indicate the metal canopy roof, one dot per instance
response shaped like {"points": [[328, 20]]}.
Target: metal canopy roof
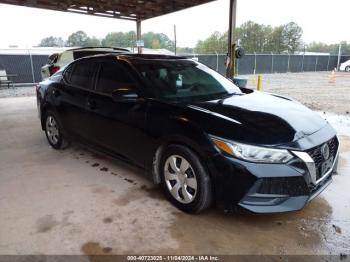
{"points": [[122, 9]]}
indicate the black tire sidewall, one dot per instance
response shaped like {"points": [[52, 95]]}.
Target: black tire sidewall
{"points": [[60, 141], [347, 69], [203, 196]]}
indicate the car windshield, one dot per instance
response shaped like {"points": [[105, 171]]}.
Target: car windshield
{"points": [[184, 80]]}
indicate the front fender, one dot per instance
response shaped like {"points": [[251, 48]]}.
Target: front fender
{"points": [[177, 130]]}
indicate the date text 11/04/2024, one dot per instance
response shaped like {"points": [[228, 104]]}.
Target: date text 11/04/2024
{"points": [[173, 258]]}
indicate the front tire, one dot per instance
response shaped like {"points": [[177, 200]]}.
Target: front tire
{"points": [[53, 131], [185, 179], [347, 69]]}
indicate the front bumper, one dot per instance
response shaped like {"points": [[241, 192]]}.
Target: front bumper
{"points": [[266, 188], [275, 203]]}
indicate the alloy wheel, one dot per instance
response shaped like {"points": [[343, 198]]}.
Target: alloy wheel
{"points": [[180, 179], [52, 130]]}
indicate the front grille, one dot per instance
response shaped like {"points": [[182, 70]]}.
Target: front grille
{"points": [[292, 186], [318, 158], [314, 188]]}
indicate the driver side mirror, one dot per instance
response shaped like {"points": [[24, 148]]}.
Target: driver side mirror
{"points": [[125, 94]]}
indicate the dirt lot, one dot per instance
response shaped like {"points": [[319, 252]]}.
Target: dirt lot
{"points": [[79, 202], [320, 91]]}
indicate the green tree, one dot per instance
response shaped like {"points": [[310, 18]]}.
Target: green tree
{"points": [[254, 37], [292, 34], [319, 47], [155, 44], [78, 38], [158, 41], [185, 50], [93, 42], [328, 48], [276, 42], [119, 39], [217, 42], [52, 41]]}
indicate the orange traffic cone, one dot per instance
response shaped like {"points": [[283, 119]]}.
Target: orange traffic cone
{"points": [[332, 77]]}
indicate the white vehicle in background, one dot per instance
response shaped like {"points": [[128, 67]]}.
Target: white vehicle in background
{"points": [[345, 66], [59, 60]]}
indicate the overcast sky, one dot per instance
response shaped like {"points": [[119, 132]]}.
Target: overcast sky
{"points": [[321, 20]]}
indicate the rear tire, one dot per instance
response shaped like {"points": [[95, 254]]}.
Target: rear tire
{"points": [[53, 131], [185, 180]]}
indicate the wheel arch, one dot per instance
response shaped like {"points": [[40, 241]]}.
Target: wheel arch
{"points": [[48, 107], [44, 108], [175, 140]]}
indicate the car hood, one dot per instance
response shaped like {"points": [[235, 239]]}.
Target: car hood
{"points": [[258, 118]]}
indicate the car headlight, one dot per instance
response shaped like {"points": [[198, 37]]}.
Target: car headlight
{"points": [[252, 153]]}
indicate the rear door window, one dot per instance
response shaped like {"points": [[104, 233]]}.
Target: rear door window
{"points": [[82, 74], [113, 75]]}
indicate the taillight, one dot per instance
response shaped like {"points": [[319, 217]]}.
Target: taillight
{"points": [[54, 69]]}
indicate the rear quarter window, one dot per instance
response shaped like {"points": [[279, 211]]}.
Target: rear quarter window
{"points": [[81, 74]]}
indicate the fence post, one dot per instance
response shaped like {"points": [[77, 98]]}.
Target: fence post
{"points": [[329, 58], [272, 62], [339, 56], [254, 63], [316, 63], [288, 67], [31, 65], [217, 61], [302, 63]]}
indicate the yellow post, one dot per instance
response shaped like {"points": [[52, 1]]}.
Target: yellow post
{"points": [[259, 83]]}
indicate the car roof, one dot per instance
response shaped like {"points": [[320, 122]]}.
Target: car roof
{"points": [[115, 49], [151, 56], [135, 57], [131, 56]]}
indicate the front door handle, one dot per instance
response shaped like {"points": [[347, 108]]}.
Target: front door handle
{"points": [[91, 104]]}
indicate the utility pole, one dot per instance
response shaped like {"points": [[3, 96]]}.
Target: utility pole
{"points": [[230, 64], [175, 38], [133, 43], [339, 56], [138, 35]]}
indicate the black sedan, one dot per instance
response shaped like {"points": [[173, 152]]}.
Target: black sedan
{"points": [[193, 131]]}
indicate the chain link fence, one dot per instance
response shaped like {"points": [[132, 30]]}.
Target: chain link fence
{"points": [[27, 67], [273, 63]]}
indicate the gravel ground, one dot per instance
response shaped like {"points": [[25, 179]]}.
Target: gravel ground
{"points": [[17, 91], [319, 91]]}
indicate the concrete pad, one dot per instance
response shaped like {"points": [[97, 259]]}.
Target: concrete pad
{"points": [[78, 202]]}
